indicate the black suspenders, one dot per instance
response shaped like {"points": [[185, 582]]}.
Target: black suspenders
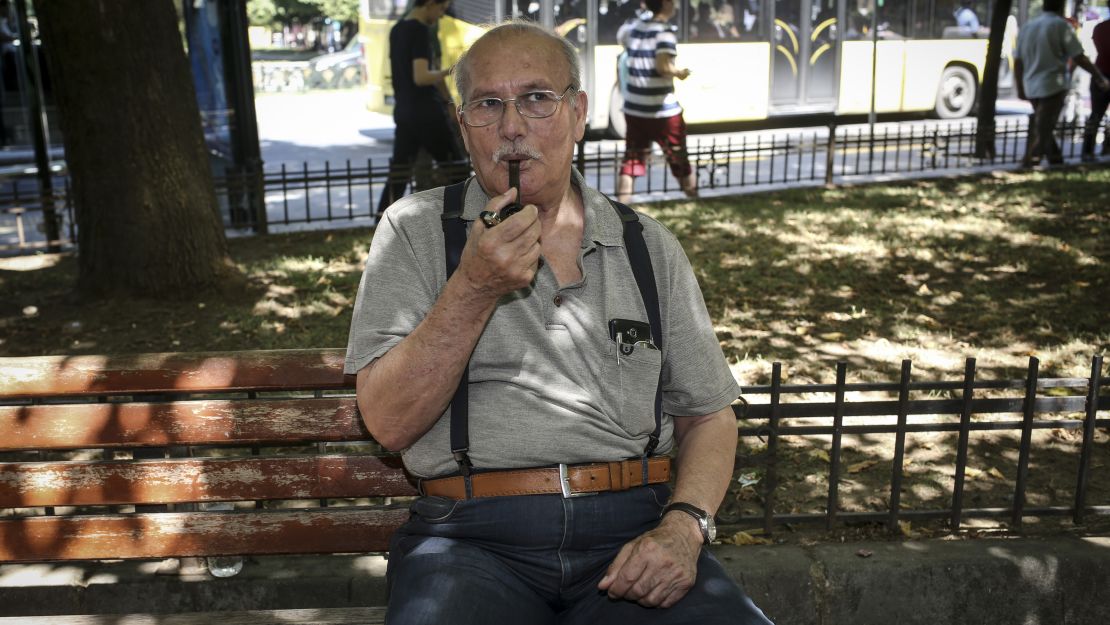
{"points": [[640, 259], [454, 239]]}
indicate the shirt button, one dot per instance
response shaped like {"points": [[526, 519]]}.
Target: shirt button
{"points": [[558, 300]]}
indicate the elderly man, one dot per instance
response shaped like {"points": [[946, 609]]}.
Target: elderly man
{"points": [[523, 365]]}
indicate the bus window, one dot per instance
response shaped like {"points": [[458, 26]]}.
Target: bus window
{"points": [[858, 18], [724, 20], [749, 19], [962, 19], [700, 23], [526, 9], [612, 15], [894, 19], [570, 21]]}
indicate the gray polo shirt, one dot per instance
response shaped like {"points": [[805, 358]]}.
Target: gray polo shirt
{"points": [[546, 384], [1045, 45]]}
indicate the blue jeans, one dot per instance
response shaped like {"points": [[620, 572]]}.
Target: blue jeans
{"points": [[537, 560]]}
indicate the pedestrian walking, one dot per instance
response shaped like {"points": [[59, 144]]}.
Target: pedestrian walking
{"points": [[651, 110], [1100, 95], [1045, 45], [421, 102]]}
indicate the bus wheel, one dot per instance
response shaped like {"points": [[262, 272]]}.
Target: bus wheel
{"points": [[956, 95], [617, 126]]}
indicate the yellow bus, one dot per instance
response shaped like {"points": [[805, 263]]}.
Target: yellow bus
{"points": [[752, 59]]}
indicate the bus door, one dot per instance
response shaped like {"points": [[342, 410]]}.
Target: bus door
{"points": [[805, 39]]}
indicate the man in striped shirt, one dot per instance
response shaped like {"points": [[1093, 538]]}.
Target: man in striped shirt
{"points": [[651, 111]]}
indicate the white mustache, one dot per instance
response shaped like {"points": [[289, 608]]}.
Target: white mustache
{"points": [[515, 149]]}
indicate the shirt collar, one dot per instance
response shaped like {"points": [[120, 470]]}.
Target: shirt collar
{"points": [[603, 225]]}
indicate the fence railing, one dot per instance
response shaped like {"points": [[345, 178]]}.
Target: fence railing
{"points": [[291, 198], [822, 415]]}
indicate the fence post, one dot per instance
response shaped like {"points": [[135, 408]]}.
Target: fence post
{"points": [[256, 195], [1088, 439], [899, 446], [35, 104], [834, 459], [830, 154], [1028, 410], [961, 448], [936, 147], [770, 478]]}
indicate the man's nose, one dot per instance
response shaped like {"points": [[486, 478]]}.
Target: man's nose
{"points": [[513, 124]]}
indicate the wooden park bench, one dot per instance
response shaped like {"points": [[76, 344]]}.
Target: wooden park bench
{"points": [[122, 458], [107, 457]]}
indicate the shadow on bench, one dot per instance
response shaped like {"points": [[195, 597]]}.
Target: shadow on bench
{"points": [[124, 457]]}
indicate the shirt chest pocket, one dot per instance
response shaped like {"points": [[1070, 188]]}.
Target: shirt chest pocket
{"points": [[632, 382]]}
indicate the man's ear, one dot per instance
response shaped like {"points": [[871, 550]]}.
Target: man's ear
{"points": [[581, 110], [463, 129]]}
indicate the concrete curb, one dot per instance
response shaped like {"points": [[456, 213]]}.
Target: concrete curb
{"points": [[1026, 580]]}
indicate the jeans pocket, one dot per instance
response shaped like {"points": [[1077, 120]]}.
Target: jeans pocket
{"points": [[660, 494], [433, 509]]}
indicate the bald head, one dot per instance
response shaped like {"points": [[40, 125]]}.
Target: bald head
{"points": [[529, 33]]}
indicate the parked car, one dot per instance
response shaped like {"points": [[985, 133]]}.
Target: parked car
{"points": [[339, 70]]}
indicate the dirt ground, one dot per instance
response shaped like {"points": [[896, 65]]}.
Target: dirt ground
{"points": [[928, 481]]}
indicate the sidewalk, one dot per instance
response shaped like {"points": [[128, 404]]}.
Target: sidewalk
{"points": [[982, 582]]}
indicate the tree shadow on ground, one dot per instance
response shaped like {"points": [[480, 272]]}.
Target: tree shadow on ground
{"points": [[932, 270]]}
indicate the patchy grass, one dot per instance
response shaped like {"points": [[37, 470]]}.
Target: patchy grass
{"points": [[301, 289], [998, 267]]}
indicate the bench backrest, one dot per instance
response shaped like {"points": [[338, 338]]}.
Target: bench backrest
{"points": [[122, 457]]}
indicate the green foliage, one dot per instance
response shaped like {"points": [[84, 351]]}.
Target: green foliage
{"points": [[269, 12], [261, 12], [341, 10]]}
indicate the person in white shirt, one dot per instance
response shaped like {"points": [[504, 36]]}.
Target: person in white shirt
{"points": [[1045, 45]]}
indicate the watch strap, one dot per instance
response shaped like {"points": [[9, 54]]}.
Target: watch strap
{"points": [[700, 515]]}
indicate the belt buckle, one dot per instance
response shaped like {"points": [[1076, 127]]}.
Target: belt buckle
{"points": [[564, 484]]}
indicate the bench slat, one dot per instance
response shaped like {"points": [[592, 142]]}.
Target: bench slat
{"points": [[162, 535], [49, 376], [322, 616], [198, 480], [199, 422]]}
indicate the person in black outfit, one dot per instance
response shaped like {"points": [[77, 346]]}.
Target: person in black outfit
{"points": [[420, 107]]}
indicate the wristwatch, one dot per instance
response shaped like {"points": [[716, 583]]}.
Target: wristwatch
{"points": [[705, 520]]}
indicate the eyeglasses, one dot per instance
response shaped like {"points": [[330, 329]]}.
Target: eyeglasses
{"points": [[534, 104]]}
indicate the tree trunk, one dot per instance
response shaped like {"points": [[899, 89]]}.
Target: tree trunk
{"points": [[147, 218], [984, 135]]}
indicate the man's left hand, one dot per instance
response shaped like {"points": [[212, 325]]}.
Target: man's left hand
{"points": [[657, 568]]}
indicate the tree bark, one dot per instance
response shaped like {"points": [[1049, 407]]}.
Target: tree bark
{"points": [[147, 218], [984, 134]]}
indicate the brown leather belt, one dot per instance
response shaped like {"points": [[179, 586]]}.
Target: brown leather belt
{"points": [[570, 481]]}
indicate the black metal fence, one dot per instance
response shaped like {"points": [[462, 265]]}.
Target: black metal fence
{"points": [[896, 410], [287, 198]]}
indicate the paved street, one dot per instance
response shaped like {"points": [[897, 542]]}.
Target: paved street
{"points": [[334, 126], [314, 130]]}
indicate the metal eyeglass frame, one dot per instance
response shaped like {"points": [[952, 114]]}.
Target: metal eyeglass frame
{"points": [[516, 103]]}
